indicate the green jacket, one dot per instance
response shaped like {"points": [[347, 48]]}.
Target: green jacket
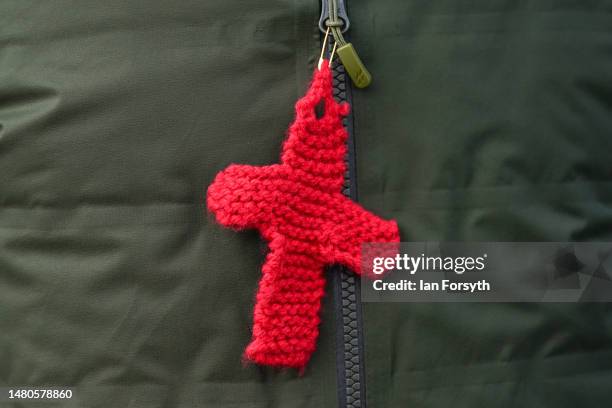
{"points": [[485, 120]]}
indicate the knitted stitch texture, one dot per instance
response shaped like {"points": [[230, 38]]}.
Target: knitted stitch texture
{"points": [[299, 209]]}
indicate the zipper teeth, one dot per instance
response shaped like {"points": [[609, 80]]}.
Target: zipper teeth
{"points": [[348, 306]]}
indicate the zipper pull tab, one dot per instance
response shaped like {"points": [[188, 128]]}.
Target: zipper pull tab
{"points": [[354, 67], [335, 18]]}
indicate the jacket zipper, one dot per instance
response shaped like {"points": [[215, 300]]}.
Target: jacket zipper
{"points": [[346, 286], [334, 19]]}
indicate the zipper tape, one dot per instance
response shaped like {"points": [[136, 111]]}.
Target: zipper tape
{"points": [[349, 325]]}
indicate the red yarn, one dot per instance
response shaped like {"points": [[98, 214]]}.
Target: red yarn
{"points": [[299, 208]]}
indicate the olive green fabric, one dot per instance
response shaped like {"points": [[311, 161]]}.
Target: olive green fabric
{"points": [[115, 116], [486, 120]]}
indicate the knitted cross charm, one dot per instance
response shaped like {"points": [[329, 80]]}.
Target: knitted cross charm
{"points": [[299, 209]]}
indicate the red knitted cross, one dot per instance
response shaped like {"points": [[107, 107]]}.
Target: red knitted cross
{"points": [[299, 208]]}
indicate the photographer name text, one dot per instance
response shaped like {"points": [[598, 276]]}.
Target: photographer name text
{"points": [[425, 286]]}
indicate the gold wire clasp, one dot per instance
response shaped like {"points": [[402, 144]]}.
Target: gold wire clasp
{"points": [[331, 57]]}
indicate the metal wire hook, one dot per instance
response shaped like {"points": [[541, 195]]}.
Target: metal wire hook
{"points": [[331, 56], [323, 48]]}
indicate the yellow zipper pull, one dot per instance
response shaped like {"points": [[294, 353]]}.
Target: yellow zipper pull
{"points": [[354, 67]]}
